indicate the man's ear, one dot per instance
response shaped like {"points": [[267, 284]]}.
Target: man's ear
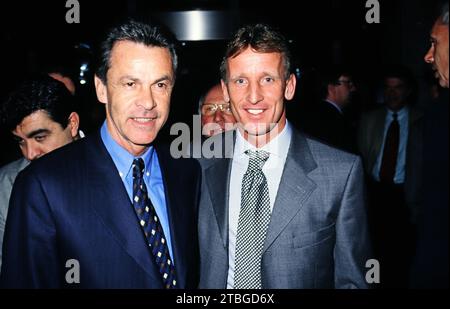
{"points": [[289, 91], [226, 96], [100, 90], [74, 124]]}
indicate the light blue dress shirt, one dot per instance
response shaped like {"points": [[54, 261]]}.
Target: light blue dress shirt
{"points": [[123, 161], [403, 120]]}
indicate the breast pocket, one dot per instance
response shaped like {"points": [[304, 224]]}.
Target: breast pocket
{"points": [[303, 240]]}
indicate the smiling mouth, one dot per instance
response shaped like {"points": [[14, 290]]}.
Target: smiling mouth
{"points": [[255, 111], [143, 119]]}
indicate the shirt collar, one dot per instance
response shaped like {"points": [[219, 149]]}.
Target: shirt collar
{"points": [[122, 158], [400, 113], [335, 105], [279, 146]]}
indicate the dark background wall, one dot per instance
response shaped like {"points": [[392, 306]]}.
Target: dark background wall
{"points": [[321, 33]]}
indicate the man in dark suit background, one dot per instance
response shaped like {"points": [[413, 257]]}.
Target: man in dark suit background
{"points": [[326, 119], [285, 211], [430, 264], [116, 202], [388, 141], [42, 116]]}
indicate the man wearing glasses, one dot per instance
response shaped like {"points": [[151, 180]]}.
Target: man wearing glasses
{"points": [[326, 119], [215, 112]]}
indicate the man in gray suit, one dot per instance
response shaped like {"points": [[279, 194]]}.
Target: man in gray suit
{"points": [[280, 210]]}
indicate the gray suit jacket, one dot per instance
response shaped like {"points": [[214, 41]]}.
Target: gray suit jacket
{"points": [[8, 174], [317, 236]]}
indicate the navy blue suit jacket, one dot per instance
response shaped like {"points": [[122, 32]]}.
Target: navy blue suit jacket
{"points": [[72, 204]]}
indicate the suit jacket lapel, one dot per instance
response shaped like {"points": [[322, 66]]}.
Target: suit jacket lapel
{"points": [[294, 189], [178, 214], [218, 181], [414, 115], [111, 203]]}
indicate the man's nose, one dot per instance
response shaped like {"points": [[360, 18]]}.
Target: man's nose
{"points": [[146, 100], [255, 94], [218, 116], [429, 55], [32, 152]]}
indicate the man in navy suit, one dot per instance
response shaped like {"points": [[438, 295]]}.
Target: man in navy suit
{"points": [[114, 210]]}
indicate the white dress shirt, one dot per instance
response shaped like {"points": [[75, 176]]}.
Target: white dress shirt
{"points": [[403, 120], [272, 169]]}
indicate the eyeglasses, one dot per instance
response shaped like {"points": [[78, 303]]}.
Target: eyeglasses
{"points": [[348, 82], [210, 109]]}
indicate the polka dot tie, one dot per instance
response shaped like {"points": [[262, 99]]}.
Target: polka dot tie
{"points": [[149, 221], [254, 217]]}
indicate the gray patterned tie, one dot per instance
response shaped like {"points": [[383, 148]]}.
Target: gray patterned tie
{"points": [[254, 217]]}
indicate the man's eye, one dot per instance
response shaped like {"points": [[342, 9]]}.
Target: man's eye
{"points": [[240, 81], [268, 79], [40, 138], [210, 108], [162, 86], [130, 84]]}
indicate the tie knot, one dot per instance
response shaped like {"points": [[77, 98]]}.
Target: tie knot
{"points": [[138, 168], [257, 159], [394, 116]]}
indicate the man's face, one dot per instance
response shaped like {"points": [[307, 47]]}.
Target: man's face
{"points": [[38, 134], [395, 93], [257, 88], [216, 113], [437, 55], [137, 94], [343, 90]]}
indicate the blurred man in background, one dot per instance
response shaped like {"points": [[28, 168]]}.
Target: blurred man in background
{"points": [[41, 115], [215, 112]]}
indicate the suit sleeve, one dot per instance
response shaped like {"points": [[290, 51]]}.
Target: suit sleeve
{"points": [[29, 249], [352, 248], [5, 192]]}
